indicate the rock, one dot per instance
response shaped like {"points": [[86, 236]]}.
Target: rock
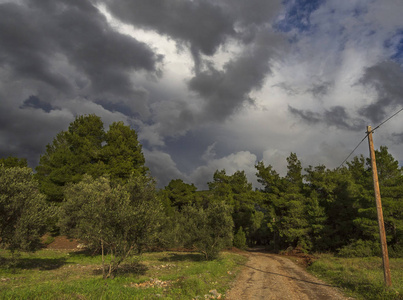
{"points": [[215, 294], [153, 282]]}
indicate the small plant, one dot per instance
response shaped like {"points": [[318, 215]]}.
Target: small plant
{"points": [[48, 240], [240, 239]]}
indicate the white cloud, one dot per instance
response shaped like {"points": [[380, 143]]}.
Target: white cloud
{"points": [[162, 167], [240, 161], [209, 154]]}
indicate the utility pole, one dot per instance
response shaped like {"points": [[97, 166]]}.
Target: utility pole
{"points": [[385, 257]]}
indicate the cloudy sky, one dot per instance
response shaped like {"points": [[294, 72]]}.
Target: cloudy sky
{"points": [[206, 84]]}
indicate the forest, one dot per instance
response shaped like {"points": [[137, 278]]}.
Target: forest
{"points": [[93, 185]]}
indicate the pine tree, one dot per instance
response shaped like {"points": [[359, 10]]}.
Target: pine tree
{"points": [[85, 148]]}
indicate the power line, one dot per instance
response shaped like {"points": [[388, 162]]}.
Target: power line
{"points": [[386, 120], [367, 136], [352, 152]]}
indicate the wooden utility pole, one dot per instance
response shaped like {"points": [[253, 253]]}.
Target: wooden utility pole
{"points": [[385, 257]]}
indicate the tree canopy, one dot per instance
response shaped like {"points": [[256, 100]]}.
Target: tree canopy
{"points": [[85, 148], [13, 161]]}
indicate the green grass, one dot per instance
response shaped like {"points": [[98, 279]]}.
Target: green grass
{"points": [[361, 278], [51, 274]]}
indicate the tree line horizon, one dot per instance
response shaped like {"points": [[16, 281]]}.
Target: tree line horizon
{"points": [[311, 209]]}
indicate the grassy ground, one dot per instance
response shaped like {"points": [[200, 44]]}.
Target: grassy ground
{"points": [[51, 274], [361, 278]]}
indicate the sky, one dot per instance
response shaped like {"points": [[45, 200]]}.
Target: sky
{"points": [[207, 85]]}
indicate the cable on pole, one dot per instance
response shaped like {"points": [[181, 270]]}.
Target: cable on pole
{"points": [[386, 120], [367, 136], [352, 151]]}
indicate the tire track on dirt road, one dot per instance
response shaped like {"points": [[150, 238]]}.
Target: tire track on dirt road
{"points": [[269, 276]]}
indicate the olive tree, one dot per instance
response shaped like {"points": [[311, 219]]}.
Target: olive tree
{"points": [[208, 230], [121, 220], [23, 210]]}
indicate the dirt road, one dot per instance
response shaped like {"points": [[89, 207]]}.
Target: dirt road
{"points": [[268, 276]]}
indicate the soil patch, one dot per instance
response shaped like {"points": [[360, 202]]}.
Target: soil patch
{"points": [[61, 243]]}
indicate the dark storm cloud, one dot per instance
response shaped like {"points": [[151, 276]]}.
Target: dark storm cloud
{"points": [[205, 25], [252, 12], [397, 138], [387, 79], [41, 36], [56, 58], [202, 23], [225, 91], [320, 89], [24, 49], [25, 130], [288, 88], [307, 116], [336, 116], [317, 89], [35, 102], [250, 15]]}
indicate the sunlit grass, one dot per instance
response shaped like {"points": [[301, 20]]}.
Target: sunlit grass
{"points": [[361, 278], [50, 274]]}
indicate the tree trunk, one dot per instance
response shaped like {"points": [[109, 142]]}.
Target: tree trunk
{"points": [[103, 259]]}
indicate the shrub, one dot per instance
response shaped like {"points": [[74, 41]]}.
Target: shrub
{"points": [[240, 239], [360, 248], [396, 251]]}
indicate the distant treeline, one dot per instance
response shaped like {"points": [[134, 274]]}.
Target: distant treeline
{"points": [[88, 174], [315, 209]]}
